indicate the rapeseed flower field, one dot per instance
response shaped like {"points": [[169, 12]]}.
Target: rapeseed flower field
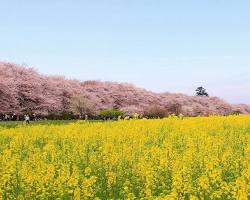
{"points": [[190, 158]]}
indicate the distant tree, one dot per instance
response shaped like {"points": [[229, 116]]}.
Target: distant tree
{"points": [[155, 111], [82, 106], [173, 108], [201, 91]]}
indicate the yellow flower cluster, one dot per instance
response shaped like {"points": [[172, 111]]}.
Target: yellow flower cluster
{"points": [[173, 158]]}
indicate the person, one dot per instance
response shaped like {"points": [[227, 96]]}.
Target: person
{"points": [[34, 117], [27, 119], [6, 117], [13, 117]]}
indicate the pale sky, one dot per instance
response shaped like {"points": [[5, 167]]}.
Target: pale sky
{"points": [[172, 46]]}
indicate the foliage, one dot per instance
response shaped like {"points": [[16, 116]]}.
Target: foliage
{"points": [[61, 116], [190, 158], [67, 115], [111, 114], [201, 91]]}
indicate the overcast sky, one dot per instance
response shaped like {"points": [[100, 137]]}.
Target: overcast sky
{"points": [[163, 45]]}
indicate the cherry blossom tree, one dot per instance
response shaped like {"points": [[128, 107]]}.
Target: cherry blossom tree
{"points": [[82, 105], [24, 90]]}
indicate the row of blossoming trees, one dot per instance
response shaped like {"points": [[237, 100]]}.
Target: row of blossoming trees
{"points": [[24, 91]]}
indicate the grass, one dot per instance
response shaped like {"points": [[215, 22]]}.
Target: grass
{"points": [[13, 124]]}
